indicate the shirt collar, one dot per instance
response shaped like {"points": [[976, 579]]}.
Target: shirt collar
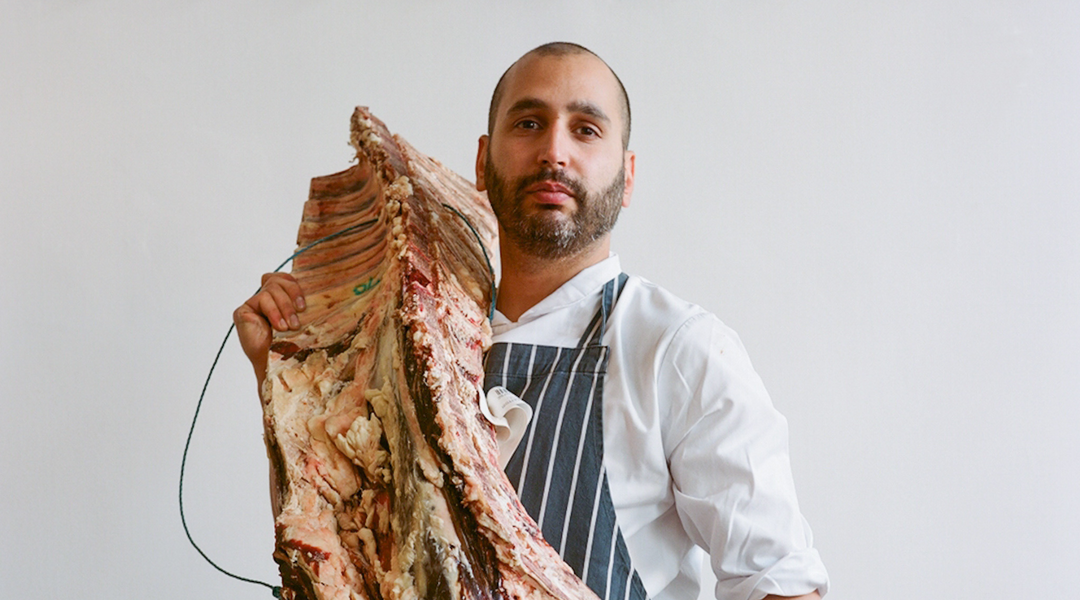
{"points": [[583, 285]]}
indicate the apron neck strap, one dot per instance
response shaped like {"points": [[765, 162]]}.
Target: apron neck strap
{"points": [[594, 333]]}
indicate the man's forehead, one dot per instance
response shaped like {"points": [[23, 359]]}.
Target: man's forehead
{"points": [[575, 80]]}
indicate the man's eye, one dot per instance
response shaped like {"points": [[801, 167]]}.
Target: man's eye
{"points": [[527, 124], [588, 131]]}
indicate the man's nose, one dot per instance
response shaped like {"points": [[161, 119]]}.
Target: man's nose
{"points": [[554, 151]]}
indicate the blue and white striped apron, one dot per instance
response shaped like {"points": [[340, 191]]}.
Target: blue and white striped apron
{"points": [[558, 469]]}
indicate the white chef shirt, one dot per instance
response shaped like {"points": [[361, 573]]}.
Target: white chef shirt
{"points": [[696, 455]]}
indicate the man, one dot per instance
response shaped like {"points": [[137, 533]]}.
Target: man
{"points": [[652, 437]]}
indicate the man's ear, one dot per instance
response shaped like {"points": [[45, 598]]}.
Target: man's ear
{"points": [[628, 183], [481, 162]]}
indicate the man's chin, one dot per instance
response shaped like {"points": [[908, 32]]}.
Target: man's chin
{"points": [[548, 219], [545, 238], [553, 212]]}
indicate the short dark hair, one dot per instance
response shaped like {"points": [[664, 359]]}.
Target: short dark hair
{"points": [[561, 49]]}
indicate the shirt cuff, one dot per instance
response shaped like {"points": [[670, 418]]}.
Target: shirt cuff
{"points": [[799, 572]]}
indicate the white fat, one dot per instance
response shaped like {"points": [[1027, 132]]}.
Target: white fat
{"points": [[436, 379], [370, 138], [404, 587], [367, 545], [485, 334], [430, 470], [345, 520], [346, 448], [474, 290], [401, 188], [380, 399], [367, 506], [450, 568], [361, 443], [398, 579], [396, 358], [440, 521], [327, 385]]}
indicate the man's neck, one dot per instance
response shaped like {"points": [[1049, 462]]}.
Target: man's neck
{"points": [[527, 279]]}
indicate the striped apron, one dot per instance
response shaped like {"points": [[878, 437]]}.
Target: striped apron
{"points": [[558, 468]]}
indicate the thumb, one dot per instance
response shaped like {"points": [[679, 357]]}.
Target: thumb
{"points": [[254, 333]]}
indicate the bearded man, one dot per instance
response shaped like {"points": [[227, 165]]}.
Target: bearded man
{"points": [[653, 441]]}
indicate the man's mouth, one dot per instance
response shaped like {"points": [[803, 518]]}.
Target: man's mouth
{"points": [[549, 192]]}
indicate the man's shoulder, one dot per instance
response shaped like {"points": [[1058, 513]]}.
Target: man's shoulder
{"points": [[658, 317], [657, 306]]}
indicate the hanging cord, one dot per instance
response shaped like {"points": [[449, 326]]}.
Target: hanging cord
{"points": [[276, 589], [491, 271]]}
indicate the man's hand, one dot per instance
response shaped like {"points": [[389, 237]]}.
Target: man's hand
{"points": [[274, 306]]}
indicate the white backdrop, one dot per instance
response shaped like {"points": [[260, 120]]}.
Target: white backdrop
{"points": [[883, 200]]}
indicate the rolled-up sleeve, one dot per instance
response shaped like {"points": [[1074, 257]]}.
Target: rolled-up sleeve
{"points": [[727, 449]]}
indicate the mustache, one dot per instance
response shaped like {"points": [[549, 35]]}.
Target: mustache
{"points": [[557, 176]]}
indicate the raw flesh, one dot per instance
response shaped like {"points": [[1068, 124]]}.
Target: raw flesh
{"points": [[386, 481]]}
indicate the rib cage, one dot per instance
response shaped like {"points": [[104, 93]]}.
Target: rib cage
{"points": [[387, 482]]}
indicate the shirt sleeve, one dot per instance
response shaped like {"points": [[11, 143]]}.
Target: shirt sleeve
{"points": [[727, 448]]}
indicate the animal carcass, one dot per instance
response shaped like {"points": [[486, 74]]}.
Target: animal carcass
{"points": [[386, 480]]}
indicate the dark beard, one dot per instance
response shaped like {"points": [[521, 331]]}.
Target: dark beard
{"points": [[542, 234]]}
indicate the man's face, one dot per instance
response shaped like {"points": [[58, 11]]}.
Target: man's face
{"points": [[554, 167]]}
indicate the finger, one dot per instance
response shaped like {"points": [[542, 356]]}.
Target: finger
{"points": [[264, 304], [284, 304], [272, 276], [289, 285], [296, 294]]}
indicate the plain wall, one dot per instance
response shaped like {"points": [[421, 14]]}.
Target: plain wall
{"points": [[883, 199]]}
